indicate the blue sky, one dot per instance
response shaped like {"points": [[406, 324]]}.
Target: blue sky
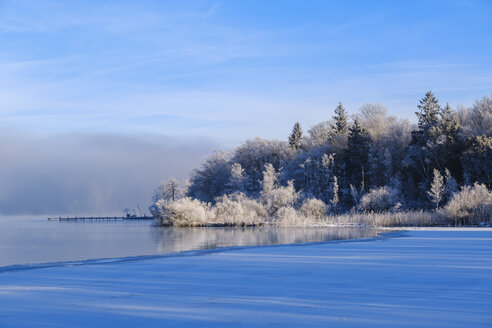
{"points": [[229, 70]]}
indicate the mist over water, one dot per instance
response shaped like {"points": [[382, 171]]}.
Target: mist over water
{"points": [[28, 241], [103, 173]]}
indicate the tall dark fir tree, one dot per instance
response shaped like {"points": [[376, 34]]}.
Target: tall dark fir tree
{"points": [[434, 145], [296, 136], [428, 116], [356, 156], [341, 121]]}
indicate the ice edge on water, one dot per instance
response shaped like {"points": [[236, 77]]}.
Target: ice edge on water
{"points": [[198, 252]]}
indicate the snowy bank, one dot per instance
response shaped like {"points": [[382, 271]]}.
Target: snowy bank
{"points": [[405, 279]]}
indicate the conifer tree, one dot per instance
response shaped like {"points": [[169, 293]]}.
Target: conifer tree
{"points": [[449, 125], [341, 120], [296, 136], [422, 154], [428, 114], [357, 154]]}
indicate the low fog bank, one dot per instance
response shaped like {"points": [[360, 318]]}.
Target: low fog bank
{"points": [[103, 173]]}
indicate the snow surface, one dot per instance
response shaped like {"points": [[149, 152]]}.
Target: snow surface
{"points": [[404, 279]]}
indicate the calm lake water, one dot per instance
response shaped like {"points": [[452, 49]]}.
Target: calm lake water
{"points": [[29, 240]]}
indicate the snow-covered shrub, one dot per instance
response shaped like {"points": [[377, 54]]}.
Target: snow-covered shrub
{"points": [[168, 191], [279, 197], [238, 209], [379, 200], [287, 216], [274, 196], [387, 219], [313, 208], [473, 204], [185, 212]]}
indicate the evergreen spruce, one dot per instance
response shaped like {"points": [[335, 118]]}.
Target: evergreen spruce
{"points": [[423, 153], [296, 136], [341, 120], [449, 126], [428, 114], [357, 155]]}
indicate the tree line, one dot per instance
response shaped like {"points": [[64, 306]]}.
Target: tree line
{"points": [[370, 161]]}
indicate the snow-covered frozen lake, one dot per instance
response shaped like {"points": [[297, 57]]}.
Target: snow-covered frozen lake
{"points": [[436, 278], [37, 240]]}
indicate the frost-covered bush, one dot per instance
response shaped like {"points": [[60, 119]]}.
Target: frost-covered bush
{"points": [[274, 196], [287, 216], [313, 208], [238, 209], [185, 212], [379, 200], [473, 204], [279, 197], [388, 219], [168, 191]]}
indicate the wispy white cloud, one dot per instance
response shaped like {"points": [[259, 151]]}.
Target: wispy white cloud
{"points": [[189, 69]]}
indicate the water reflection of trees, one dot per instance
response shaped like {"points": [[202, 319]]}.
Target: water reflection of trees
{"points": [[170, 240]]}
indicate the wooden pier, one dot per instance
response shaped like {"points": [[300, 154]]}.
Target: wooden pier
{"points": [[106, 218]]}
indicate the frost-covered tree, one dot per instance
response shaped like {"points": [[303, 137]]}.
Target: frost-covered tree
{"points": [[482, 112], [450, 185], [374, 119], [339, 131], [389, 139], [423, 153], [477, 160], [273, 196], [270, 177], [317, 176], [320, 135], [341, 120], [236, 183], [255, 153], [428, 115], [437, 188], [167, 192], [477, 120], [449, 125], [296, 136], [335, 199], [378, 155], [211, 179]]}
